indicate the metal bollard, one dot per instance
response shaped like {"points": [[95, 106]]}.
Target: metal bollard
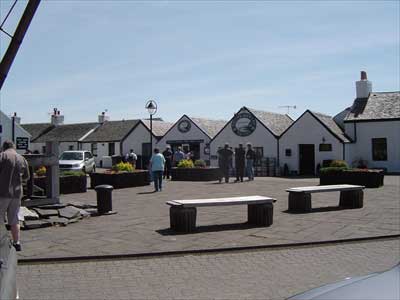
{"points": [[104, 198]]}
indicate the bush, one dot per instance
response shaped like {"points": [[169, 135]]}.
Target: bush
{"points": [[123, 167], [339, 164], [72, 173], [331, 170], [200, 163], [41, 171], [185, 163]]}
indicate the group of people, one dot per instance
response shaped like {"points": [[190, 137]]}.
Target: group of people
{"points": [[244, 160]]}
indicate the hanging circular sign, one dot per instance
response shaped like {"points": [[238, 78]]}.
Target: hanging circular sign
{"points": [[244, 124], [184, 126]]}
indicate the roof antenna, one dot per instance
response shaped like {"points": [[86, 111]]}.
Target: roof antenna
{"points": [[288, 107]]}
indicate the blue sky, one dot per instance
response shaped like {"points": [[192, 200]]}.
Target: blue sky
{"points": [[201, 58]]}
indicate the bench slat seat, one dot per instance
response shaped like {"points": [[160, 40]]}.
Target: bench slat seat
{"points": [[222, 201], [183, 212], [326, 188], [351, 196]]}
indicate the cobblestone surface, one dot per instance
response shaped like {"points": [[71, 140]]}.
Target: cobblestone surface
{"points": [[266, 274], [142, 222]]}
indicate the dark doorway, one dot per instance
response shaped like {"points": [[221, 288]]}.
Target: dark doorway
{"points": [[306, 159], [146, 155]]}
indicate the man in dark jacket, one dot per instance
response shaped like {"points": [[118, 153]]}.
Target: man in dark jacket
{"points": [[13, 170], [239, 162], [250, 158], [225, 157], [168, 162]]}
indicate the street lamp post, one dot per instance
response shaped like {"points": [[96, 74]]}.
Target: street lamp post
{"points": [[151, 107]]}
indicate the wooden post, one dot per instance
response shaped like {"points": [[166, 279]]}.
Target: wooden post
{"points": [[260, 214], [183, 219], [299, 202], [352, 199]]}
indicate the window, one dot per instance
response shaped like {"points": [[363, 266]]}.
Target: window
{"points": [[288, 152], [93, 148], [44, 149], [379, 149], [259, 155], [325, 147], [111, 149], [71, 147]]}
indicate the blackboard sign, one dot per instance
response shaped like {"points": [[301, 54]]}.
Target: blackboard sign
{"points": [[22, 143]]}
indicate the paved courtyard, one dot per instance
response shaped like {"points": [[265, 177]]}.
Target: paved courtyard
{"points": [[142, 222], [266, 274]]}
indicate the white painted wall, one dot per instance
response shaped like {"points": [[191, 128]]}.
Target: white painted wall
{"points": [[362, 148], [6, 123], [193, 134], [135, 140], [307, 130], [261, 137]]}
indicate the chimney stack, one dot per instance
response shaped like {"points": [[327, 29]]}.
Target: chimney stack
{"points": [[16, 119], [57, 118], [103, 117], [363, 86]]}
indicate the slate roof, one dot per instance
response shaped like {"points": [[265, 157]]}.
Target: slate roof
{"points": [[275, 122], [37, 129], [112, 131], [210, 127], [159, 127], [67, 132], [382, 105], [332, 126]]}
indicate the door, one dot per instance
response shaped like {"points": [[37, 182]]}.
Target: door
{"points": [[146, 155], [306, 159]]}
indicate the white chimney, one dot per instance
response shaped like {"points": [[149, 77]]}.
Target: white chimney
{"points": [[57, 118], [103, 117], [16, 119], [364, 86]]}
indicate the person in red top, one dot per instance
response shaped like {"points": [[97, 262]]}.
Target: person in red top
{"points": [[13, 170]]}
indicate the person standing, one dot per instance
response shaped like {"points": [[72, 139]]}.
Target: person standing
{"points": [[240, 154], [250, 158], [178, 156], [131, 158], [168, 162], [225, 155], [13, 171], [157, 163]]}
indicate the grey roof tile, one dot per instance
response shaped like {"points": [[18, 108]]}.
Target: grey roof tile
{"points": [[67, 132], [275, 122], [159, 127], [209, 126], [332, 126], [112, 131], [37, 129], [382, 105]]}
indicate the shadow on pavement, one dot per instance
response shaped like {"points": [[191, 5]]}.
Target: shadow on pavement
{"points": [[145, 193], [208, 228], [316, 210]]}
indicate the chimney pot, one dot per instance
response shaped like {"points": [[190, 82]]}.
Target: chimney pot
{"points": [[364, 75]]}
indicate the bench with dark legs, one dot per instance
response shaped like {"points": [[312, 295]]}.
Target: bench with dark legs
{"points": [[183, 212], [351, 196]]}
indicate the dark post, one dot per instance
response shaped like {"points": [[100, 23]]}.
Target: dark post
{"points": [[16, 40], [151, 134]]}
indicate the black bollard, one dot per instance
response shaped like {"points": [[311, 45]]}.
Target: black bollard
{"points": [[104, 198]]}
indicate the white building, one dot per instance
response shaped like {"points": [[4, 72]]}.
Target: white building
{"points": [[261, 129], [12, 130], [373, 124], [192, 134], [310, 140]]}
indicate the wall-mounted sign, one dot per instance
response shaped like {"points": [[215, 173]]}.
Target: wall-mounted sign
{"points": [[184, 126], [22, 143], [244, 124]]}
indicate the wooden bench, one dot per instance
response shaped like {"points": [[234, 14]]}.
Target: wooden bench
{"points": [[351, 196], [183, 212]]}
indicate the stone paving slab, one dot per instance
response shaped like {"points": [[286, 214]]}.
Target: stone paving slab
{"points": [[142, 222], [266, 274]]}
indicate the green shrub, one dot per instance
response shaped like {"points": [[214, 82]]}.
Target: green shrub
{"points": [[200, 163], [41, 171], [185, 163], [72, 173], [123, 167], [331, 170], [339, 164]]}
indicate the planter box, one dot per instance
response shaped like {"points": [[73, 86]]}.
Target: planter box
{"points": [[120, 180], [371, 179], [68, 184], [195, 174]]}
